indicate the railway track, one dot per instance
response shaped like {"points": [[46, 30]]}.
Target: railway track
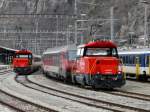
{"points": [[21, 105], [130, 94], [2, 72], [117, 92], [140, 81], [123, 93], [97, 103]]}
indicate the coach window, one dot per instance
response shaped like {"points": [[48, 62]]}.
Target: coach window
{"points": [[123, 59], [120, 57], [127, 59], [147, 60], [72, 55], [57, 59], [140, 60], [133, 59]]}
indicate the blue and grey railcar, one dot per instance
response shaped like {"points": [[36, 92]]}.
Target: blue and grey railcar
{"points": [[136, 63]]}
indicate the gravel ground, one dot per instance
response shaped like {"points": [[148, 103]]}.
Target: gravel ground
{"points": [[99, 95], [137, 87], [5, 109], [8, 84]]}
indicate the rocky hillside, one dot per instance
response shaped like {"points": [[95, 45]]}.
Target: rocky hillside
{"points": [[36, 6]]}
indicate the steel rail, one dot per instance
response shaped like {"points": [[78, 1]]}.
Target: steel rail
{"points": [[24, 101]]}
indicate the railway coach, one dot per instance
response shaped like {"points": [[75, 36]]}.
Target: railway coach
{"points": [[58, 62], [24, 62], [136, 63]]}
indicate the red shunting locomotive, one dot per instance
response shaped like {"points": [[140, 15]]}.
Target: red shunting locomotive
{"points": [[24, 62]]}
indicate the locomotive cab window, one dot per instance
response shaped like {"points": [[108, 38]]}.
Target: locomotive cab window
{"points": [[24, 56], [80, 52], [101, 52]]}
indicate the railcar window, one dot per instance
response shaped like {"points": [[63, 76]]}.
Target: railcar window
{"points": [[36, 59], [147, 60], [126, 59], [140, 59], [72, 55], [131, 59], [65, 55], [57, 59]]}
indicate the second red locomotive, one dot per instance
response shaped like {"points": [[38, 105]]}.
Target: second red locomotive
{"points": [[24, 62]]}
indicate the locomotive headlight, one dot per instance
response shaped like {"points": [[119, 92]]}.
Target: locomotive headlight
{"points": [[119, 72], [120, 69]]}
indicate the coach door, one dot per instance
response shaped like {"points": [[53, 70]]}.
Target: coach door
{"points": [[137, 67]]}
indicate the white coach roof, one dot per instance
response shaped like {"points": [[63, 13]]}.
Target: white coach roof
{"points": [[134, 51]]}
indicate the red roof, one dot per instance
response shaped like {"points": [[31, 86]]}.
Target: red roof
{"points": [[23, 52], [101, 44]]}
